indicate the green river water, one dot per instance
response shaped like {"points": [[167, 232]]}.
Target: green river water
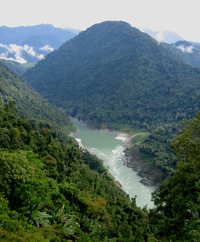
{"points": [[110, 148]]}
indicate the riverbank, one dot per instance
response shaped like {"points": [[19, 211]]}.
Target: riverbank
{"points": [[150, 175]]}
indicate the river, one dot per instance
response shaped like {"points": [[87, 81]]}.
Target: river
{"points": [[110, 148]]}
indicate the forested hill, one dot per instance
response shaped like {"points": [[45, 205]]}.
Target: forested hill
{"points": [[112, 74], [30, 104]]}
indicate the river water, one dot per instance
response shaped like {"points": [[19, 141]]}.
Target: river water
{"points": [[110, 148]]}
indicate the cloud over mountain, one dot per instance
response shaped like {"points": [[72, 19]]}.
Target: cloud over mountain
{"points": [[31, 44], [17, 53]]}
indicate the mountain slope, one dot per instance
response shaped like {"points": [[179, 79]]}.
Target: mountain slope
{"points": [[114, 74], [29, 102]]}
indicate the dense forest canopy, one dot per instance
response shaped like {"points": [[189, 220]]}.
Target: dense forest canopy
{"points": [[177, 210], [112, 74], [52, 191], [30, 104]]}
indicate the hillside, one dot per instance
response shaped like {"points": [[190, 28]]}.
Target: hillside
{"points": [[114, 74], [52, 191], [30, 104]]}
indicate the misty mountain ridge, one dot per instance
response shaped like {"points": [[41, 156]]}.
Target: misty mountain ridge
{"points": [[31, 43], [187, 51], [164, 36]]}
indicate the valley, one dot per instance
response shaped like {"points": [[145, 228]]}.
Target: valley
{"points": [[140, 99]]}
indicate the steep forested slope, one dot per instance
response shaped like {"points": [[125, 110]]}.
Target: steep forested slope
{"points": [[30, 103], [177, 211], [115, 74], [52, 191]]}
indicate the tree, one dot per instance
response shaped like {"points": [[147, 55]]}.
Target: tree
{"points": [[177, 212]]}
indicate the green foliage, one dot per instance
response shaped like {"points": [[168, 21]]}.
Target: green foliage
{"points": [[186, 146], [30, 104], [157, 147], [177, 211], [113, 75], [52, 191]]}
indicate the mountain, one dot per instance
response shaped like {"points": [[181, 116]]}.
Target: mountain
{"points": [[114, 75], [30, 104], [189, 52], [164, 36], [31, 43]]}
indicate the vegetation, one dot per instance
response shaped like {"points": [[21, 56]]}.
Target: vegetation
{"points": [[156, 148], [52, 191], [31, 105], [113, 75], [177, 212]]}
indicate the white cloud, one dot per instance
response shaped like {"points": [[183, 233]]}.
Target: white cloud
{"points": [[47, 48], [186, 49], [17, 59], [3, 46], [12, 49], [29, 50], [17, 52], [40, 57]]}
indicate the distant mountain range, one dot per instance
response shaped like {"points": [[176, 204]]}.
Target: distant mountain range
{"points": [[32, 43], [24, 45], [186, 50], [113, 73]]}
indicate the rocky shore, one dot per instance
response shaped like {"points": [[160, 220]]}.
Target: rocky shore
{"points": [[150, 175]]}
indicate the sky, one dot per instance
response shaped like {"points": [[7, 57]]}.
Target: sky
{"points": [[179, 16]]}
